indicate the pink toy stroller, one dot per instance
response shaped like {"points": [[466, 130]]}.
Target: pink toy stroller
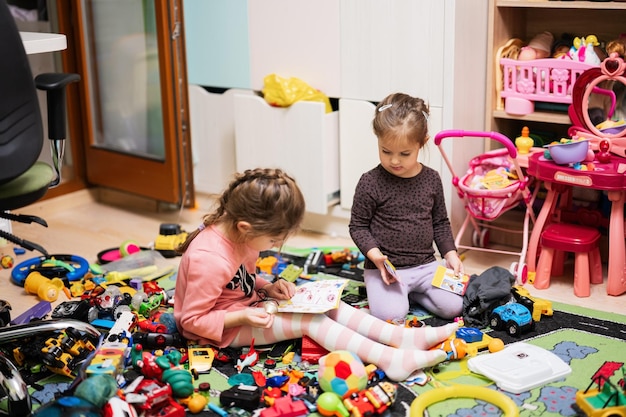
{"points": [[493, 184]]}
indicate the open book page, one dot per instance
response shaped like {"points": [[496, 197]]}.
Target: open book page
{"points": [[315, 297]]}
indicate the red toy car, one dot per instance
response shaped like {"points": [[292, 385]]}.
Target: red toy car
{"points": [[373, 400], [150, 395]]}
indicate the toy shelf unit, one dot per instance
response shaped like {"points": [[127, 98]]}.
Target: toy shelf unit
{"points": [[546, 80], [540, 81], [524, 20]]}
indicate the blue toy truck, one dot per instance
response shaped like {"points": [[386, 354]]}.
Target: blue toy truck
{"points": [[513, 317]]}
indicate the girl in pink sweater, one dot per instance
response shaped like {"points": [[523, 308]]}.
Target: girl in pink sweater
{"points": [[218, 296]]}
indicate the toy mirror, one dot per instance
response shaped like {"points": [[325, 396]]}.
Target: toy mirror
{"points": [[598, 109]]}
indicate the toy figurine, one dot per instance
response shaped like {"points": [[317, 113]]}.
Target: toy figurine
{"points": [[524, 142], [249, 359], [538, 48], [374, 400], [583, 50]]}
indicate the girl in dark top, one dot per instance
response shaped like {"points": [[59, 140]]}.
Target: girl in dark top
{"points": [[398, 212]]}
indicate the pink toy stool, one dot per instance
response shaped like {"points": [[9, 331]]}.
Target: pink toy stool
{"points": [[583, 241]]}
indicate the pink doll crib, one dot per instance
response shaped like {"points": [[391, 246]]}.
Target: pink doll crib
{"points": [[545, 80], [521, 83]]}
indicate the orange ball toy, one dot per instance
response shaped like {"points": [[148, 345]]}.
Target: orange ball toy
{"points": [[495, 345]]}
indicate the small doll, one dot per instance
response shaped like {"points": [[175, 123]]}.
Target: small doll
{"points": [[538, 48]]}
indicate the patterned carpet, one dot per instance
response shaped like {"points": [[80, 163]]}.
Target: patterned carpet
{"points": [[584, 339]]}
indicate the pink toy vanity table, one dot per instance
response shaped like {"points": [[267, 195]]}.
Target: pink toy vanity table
{"points": [[609, 177], [609, 172]]}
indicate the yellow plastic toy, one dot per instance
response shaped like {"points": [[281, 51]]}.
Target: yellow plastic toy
{"points": [[195, 403], [267, 264], [419, 405], [45, 288], [524, 142]]}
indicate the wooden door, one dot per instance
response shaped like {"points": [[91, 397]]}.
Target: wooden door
{"points": [[131, 107]]}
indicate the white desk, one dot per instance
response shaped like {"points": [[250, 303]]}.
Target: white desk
{"points": [[35, 42]]}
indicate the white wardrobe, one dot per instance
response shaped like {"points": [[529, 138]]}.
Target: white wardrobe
{"points": [[354, 51]]}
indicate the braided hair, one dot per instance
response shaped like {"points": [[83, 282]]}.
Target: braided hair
{"points": [[268, 199]]}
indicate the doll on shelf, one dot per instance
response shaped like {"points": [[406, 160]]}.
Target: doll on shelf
{"points": [[538, 48], [584, 50], [618, 46]]}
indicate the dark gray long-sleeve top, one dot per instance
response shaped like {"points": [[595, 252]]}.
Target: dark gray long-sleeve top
{"points": [[401, 216]]}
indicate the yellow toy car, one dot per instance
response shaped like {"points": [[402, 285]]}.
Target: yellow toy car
{"points": [[170, 237], [537, 306]]}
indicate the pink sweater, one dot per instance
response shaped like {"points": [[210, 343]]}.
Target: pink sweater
{"points": [[215, 275]]}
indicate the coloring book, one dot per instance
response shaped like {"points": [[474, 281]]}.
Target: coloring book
{"points": [[314, 297]]}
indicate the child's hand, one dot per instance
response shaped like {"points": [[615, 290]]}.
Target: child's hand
{"points": [[257, 317], [376, 256], [454, 262], [280, 289]]}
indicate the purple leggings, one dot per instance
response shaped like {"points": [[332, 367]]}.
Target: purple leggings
{"points": [[389, 302]]}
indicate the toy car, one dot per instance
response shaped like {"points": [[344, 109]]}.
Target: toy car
{"points": [[150, 395], [170, 237], [64, 352], [151, 304], [373, 400], [537, 306], [514, 317], [151, 340], [5, 313], [72, 309]]}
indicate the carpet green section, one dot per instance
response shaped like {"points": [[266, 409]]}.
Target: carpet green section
{"points": [[584, 352]]}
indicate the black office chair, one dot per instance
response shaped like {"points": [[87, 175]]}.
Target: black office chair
{"points": [[24, 179]]}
